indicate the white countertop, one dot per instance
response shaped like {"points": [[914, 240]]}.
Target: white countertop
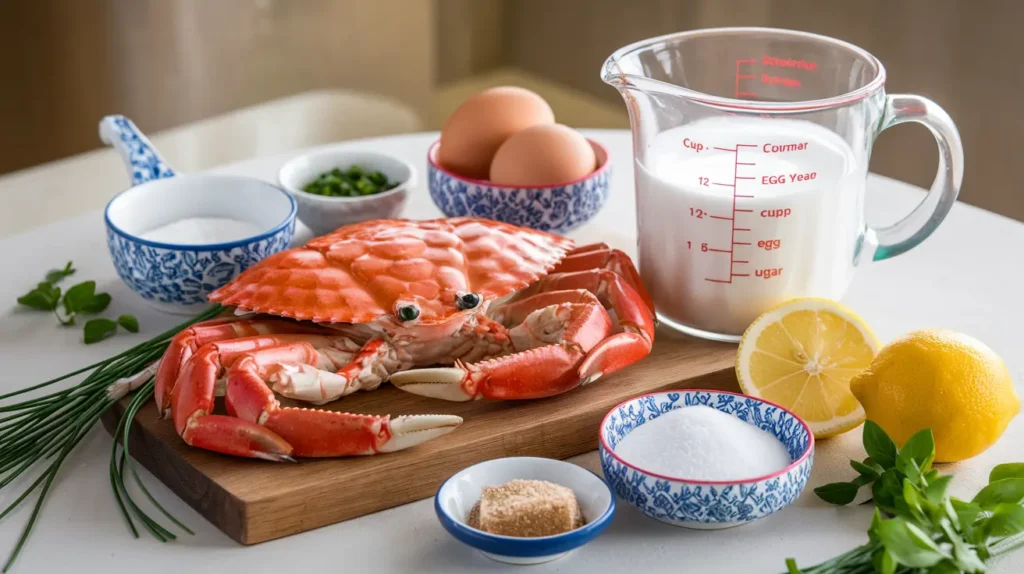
{"points": [[968, 276]]}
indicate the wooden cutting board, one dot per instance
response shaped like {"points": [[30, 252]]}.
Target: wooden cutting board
{"points": [[254, 501]]}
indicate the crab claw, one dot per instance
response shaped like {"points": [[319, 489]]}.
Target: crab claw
{"points": [[448, 383], [411, 430]]}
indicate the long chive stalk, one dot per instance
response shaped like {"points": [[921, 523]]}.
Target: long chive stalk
{"points": [[47, 428]]}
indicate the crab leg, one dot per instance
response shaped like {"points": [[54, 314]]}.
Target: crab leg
{"points": [[184, 345], [326, 376], [259, 428], [556, 339], [600, 256], [317, 433]]}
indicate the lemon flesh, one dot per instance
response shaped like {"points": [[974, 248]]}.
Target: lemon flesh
{"points": [[802, 355]]}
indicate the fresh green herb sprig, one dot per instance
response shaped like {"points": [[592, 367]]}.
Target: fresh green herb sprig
{"points": [[353, 182], [43, 430], [80, 299], [917, 528]]}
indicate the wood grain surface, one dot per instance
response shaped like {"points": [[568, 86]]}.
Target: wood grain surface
{"points": [[254, 501]]}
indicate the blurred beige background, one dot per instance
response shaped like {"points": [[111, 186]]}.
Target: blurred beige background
{"points": [[168, 62]]}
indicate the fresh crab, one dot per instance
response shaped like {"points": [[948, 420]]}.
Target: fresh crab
{"points": [[516, 313]]}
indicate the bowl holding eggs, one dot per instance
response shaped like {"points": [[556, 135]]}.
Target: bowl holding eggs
{"points": [[501, 156]]}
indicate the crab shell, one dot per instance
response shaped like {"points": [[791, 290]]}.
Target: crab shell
{"points": [[366, 272]]}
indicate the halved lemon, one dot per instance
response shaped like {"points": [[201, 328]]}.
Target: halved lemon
{"points": [[801, 355]]}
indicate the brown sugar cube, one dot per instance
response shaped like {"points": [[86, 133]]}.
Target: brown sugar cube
{"points": [[527, 508]]}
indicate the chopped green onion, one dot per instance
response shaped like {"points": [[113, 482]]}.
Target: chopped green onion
{"points": [[354, 182]]}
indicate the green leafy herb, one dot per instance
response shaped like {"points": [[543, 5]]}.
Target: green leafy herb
{"points": [[917, 528], [128, 323], [55, 275], [353, 182], [1007, 490], [837, 492], [44, 297], [878, 445], [79, 299], [98, 329], [1009, 470]]}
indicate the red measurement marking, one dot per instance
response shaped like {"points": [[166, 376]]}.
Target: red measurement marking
{"points": [[736, 177]]}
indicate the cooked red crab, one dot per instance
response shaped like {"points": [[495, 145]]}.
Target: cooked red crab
{"points": [[517, 313]]}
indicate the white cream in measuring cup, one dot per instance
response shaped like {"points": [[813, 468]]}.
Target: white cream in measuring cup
{"points": [[751, 148], [769, 209]]}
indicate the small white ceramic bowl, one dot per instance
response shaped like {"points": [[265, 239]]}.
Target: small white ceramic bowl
{"points": [[701, 504], [553, 208], [462, 491], [176, 278], [323, 214]]}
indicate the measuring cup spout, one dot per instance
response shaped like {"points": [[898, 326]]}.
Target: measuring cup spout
{"points": [[140, 158]]}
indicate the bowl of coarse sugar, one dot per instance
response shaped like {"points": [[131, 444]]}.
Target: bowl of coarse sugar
{"points": [[705, 459]]}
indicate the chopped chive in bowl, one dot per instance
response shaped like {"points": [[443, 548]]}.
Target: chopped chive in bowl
{"points": [[353, 182]]}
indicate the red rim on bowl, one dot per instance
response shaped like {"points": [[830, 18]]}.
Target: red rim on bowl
{"points": [[599, 151], [806, 454]]}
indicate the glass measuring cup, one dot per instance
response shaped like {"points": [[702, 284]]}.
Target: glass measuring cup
{"points": [[751, 150]]}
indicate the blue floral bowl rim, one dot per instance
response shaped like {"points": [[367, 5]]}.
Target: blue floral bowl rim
{"points": [[288, 220], [524, 547], [793, 465], [599, 150]]}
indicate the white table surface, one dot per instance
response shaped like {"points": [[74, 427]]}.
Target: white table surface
{"points": [[967, 276]]}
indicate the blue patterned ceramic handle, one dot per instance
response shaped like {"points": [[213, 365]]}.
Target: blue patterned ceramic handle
{"points": [[139, 155]]}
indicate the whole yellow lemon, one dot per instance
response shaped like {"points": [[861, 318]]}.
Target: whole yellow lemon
{"points": [[942, 380]]}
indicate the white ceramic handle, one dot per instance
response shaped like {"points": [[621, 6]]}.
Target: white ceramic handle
{"points": [[139, 155]]}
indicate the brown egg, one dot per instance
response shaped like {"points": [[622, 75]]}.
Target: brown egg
{"points": [[543, 155], [475, 131]]}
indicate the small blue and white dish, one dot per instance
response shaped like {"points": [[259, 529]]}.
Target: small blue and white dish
{"points": [[702, 504], [173, 277], [556, 208], [462, 491]]}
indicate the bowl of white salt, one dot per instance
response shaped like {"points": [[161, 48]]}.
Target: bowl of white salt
{"points": [[705, 459], [174, 238]]}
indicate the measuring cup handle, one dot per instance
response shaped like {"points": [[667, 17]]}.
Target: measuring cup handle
{"points": [[922, 221]]}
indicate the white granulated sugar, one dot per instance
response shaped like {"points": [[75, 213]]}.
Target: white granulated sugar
{"points": [[702, 443], [203, 231]]}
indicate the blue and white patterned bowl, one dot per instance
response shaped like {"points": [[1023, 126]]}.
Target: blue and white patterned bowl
{"points": [[556, 209], [459, 493], [177, 278], [699, 504]]}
